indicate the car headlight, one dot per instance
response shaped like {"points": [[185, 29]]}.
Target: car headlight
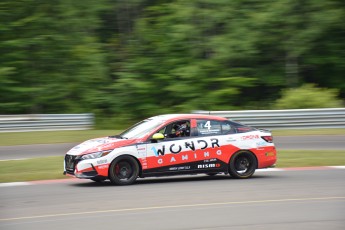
{"points": [[96, 155]]}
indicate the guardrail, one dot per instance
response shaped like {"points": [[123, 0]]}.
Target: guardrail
{"points": [[268, 119], [45, 122], [286, 119]]}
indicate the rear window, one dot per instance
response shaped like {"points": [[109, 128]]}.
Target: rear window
{"points": [[240, 128]]}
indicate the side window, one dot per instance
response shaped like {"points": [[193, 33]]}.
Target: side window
{"points": [[162, 131], [212, 127], [176, 129], [227, 128], [208, 127]]}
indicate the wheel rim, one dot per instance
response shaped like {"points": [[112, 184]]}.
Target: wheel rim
{"points": [[123, 170], [242, 164]]}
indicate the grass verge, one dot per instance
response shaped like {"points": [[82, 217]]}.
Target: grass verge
{"points": [[52, 167], [51, 137], [308, 132], [31, 169]]}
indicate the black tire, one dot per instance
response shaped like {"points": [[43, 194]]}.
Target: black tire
{"points": [[242, 165], [123, 170]]}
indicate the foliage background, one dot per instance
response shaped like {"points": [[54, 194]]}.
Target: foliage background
{"points": [[129, 59]]}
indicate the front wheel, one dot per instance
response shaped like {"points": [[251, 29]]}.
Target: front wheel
{"points": [[242, 165], [123, 170]]}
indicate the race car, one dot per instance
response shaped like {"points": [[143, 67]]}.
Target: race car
{"points": [[173, 144]]}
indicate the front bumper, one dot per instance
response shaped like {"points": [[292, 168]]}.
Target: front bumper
{"points": [[83, 175], [71, 169]]}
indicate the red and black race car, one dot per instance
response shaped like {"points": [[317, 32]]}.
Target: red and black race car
{"points": [[173, 144]]}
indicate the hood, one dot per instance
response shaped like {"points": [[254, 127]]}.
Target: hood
{"points": [[99, 144]]}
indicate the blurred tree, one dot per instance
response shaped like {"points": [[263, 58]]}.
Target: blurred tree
{"points": [[174, 65], [134, 58], [51, 60], [308, 96], [207, 54], [295, 32]]}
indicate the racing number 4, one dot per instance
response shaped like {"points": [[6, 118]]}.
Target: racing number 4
{"points": [[208, 125]]}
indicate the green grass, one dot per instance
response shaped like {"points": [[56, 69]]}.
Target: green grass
{"points": [[304, 132], [50, 137], [303, 158], [31, 169], [52, 167]]}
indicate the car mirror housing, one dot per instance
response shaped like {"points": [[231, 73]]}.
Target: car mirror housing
{"points": [[157, 136]]}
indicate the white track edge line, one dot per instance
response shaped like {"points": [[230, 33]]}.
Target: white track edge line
{"points": [[11, 184]]}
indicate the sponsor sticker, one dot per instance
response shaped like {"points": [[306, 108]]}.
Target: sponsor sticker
{"points": [[102, 161], [261, 143], [206, 166], [141, 150], [250, 137], [179, 168]]}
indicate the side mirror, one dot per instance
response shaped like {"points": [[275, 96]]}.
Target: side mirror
{"points": [[157, 136]]}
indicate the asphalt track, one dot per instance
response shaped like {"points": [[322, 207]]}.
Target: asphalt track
{"points": [[330, 142], [289, 199], [292, 199]]}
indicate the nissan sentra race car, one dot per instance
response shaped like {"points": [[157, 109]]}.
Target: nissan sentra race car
{"points": [[173, 144]]}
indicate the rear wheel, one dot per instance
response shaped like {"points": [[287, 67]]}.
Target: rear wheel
{"points": [[123, 170], [242, 165]]}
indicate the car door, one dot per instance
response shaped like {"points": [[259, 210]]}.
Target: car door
{"points": [[174, 153], [213, 145]]}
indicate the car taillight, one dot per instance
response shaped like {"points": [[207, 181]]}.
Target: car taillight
{"points": [[269, 139]]}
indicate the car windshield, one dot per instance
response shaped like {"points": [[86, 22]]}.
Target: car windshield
{"points": [[141, 129]]}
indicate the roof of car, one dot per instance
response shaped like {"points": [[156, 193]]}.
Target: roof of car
{"points": [[166, 117]]}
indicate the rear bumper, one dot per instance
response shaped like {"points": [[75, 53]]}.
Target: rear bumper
{"points": [[267, 157]]}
